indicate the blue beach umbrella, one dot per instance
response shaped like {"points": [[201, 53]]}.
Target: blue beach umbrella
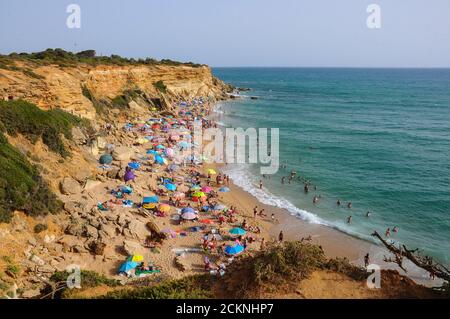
{"points": [[170, 187], [234, 250], [134, 165], [187, 210], [150, 200], [159, 159], [237, 231], [152, 152], [224, 189], [219, 207], [160, 147], [127, 266]]}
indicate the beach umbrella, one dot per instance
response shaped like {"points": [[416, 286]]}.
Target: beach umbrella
{"points": [[160, 147], [169, 152], [127, 266], [136, 258], [237, 231], [134, 165], [206, 221], [219, 207], [152, 152], [224, 189], [234, 250], [149, 206], [187, 210], [195, 188], [159, 159], [184, 144], [211, 171], [198, 194], [126, 189], [105, 159], [164, 208], [150, 200], [170, 187], [173, 167], [179, 195], [206, 189], [183, 188], [189, 216]]}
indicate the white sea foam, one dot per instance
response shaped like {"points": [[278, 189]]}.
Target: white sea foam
{"points": [[242, 178]]}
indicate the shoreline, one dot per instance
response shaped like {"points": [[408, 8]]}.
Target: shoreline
{"points": [[336, 244]]}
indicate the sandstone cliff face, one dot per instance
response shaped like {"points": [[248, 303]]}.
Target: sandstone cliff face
{"points": [[56, 86]]}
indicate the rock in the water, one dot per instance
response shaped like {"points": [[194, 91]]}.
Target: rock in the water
{"points": [[70, 186], [133, 248], [122, 153]]}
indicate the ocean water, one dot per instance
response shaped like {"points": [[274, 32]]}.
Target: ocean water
{"points": [[379, 138]]}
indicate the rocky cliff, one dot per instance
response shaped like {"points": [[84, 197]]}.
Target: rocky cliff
{"points": [[50, 86]]}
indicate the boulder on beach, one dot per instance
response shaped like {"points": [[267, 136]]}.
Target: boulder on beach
{"points": [[133, 248], [122, 153], [69, 186]]}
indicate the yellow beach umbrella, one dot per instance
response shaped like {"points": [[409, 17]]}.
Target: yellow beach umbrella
{"points": [[164, 208], [211, 171], [137, 258]]}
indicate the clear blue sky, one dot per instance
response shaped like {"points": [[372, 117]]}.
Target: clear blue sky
{"points": [[414, 33]]}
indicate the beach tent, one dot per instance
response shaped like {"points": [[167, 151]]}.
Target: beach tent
{"points": [[106, 159], [224, 189], [127, 266], [237, 231], [234, 250]]}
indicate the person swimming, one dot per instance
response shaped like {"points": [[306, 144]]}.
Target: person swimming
{"points": [[338, 202]]}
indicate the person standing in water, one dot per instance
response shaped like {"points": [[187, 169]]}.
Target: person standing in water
{"points": [[388, 232], [260, 184], [368, 214], [366, 260], [280, 236], [349, 205], [349, 219], [338, 202]]}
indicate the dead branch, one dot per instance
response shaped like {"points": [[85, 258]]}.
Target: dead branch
{"points": [[424, 262]]}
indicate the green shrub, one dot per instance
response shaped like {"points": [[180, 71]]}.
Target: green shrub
{"points": [[38, 228], [343, 266], [120, 101], [191, 287], [30, 73], [27, 119], [21, 186], [160, 86], [13, 269], [89, 279]]}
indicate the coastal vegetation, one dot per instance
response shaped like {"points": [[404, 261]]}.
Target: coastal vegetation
{"points": [[160, 86], [21, 117], [21, 185], [64, 58]]}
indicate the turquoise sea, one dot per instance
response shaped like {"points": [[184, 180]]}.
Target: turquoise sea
{"points": [[379, 138]]}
